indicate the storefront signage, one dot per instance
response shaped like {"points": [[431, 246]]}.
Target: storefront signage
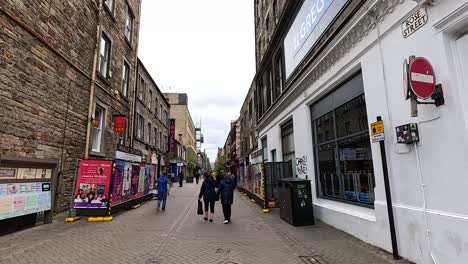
{"points": [[377, 131], [92, 186], [310, 23], [17, 199], [416, 21], [172, 135], [120, 124], [422, 78]]}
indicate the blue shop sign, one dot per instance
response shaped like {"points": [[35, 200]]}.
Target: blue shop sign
{"points": [[310, 23]]}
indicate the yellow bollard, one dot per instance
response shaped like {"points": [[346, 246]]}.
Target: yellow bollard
{"points": [[95, 219], [136, 206], [107, 218], [72, 219], [266, 210], [252, 200]]}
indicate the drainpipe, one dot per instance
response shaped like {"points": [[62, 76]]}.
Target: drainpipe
{"points": [[133, 111], [93, 81]]}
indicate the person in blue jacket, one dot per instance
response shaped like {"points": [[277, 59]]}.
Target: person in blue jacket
{"points": [[162, 186], [208, 193], [226, 191]]}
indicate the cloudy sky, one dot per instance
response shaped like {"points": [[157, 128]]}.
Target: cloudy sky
{"points": [[204, 48]]}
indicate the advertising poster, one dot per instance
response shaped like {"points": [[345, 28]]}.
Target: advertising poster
{"points": [[141, 181], [152, 177], [135, 180], [118, 181], [127, 181], [92, 185], [26, 173], [147, 178], [17, 199]]}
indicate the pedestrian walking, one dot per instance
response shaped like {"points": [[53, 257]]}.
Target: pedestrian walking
{"points": [[162, 185], [197, 175], [208, 193], [226, 191], [181, 179]]}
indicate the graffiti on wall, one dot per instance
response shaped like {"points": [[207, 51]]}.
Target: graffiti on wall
{"points": [[301, 166]]}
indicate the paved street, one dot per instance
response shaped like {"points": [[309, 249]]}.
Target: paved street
{"points": [[178, 235]]}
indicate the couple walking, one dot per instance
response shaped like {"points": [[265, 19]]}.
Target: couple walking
{"points": [[225, 191]]}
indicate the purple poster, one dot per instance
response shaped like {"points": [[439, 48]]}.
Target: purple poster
{"points": [[118, 182], [135, 179]]}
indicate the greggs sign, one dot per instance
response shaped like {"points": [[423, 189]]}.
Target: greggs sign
{"points": [[310, 23]]}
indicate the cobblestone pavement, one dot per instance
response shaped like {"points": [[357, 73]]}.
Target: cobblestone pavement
{"points": [[178, 235]]}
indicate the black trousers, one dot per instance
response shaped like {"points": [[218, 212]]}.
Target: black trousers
{"points": [[227, 211], [181, 182], [196, 179]]}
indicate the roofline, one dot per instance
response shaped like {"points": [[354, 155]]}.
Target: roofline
{"points": [[140, 63]]}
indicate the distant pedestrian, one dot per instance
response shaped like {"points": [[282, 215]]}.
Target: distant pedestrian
{"points": [[226, 191], [162, 185], [197, 175], [208, 193], [181, 179]]}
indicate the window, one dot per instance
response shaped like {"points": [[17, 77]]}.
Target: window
{"points": [[166, 118], [287, 144], [109, 5], [155, 136], [150, 99], [160, 144], [273, 155], [148, 140], [160, 112], [155, 106], [164, 143], [104, 55], [278, 79], [140, 127], [125, 79], [265, 149], [342, 151], [275, 10], [129, 25], [98, 127]]}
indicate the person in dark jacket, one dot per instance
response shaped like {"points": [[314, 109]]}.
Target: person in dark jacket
{"points": [[181, 179], [208, 193], [226, 191]]}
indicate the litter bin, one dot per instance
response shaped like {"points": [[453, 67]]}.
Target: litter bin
{"points": [[295, 201]]}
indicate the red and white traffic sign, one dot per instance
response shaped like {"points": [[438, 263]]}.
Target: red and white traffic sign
{"points": [[422, 78]]}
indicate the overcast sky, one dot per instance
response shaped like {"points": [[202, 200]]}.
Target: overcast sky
{"points": [[204, 48]]}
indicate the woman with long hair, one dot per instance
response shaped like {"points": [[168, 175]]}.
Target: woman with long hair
{"points": [[208, 193]]}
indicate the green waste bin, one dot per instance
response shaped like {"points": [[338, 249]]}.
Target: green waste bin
{"points": [[295, 201]]}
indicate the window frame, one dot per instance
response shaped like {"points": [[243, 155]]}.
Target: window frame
{"points": [[111, 8], [128, 29], [108, 51], [101, 129], [125, 79], [334, 146]]}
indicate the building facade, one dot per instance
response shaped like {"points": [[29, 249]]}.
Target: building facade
{"points": [[184, 129], [247, 133], [330, 68], [61, 88], [151, 129]]}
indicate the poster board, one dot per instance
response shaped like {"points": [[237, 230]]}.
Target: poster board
{"points": [[131, 181], [93, 183], [17, 199]]}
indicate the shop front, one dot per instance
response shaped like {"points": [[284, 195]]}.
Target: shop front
{"points": [[365, 72]]}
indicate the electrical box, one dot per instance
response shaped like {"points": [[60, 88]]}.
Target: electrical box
{"points": [[407, 134]]}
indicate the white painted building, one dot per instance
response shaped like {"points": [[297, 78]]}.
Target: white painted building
{"points": [[331, 102]]}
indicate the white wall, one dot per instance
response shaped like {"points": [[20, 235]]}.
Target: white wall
{"points": [[443, 150]]}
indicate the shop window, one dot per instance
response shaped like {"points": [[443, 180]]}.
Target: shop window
{"points": [[98, 127], [287, 142], [342, 151]]}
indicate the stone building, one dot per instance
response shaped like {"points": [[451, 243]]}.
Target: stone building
{"points": [[247, 119], [184, 128], [66, 68], [151, 130]]}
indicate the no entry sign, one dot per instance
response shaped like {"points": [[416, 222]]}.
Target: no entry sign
{"points": [[422, 78]]}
